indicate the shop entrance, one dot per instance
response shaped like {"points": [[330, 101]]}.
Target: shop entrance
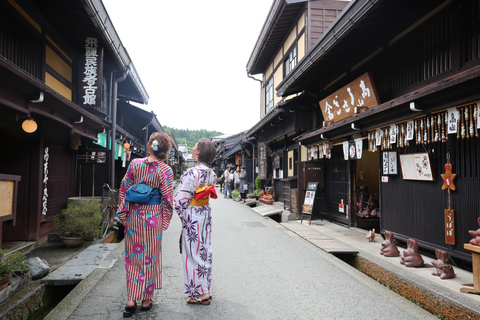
{"points": [[366, 191]]}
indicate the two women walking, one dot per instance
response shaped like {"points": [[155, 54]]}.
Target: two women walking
{"points": [[146, 217]]}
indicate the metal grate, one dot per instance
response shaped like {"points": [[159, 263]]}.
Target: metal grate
{"points": [[253, 224]]}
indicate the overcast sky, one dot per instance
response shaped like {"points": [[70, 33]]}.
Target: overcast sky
{"points": [[191, 57]]}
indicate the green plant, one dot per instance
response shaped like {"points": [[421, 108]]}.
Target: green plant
{"points": [[235, 193], [12, 263], [258, 192], [79, 221], [258, 183]]}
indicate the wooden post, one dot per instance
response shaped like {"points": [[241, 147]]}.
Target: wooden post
{"points": [[476, 270]]}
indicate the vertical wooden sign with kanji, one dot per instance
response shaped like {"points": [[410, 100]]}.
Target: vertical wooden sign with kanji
{"points": [[449, 227], [448, 184]]}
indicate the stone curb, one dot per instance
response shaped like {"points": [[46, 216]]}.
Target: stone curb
{"points": [[68, 305]]}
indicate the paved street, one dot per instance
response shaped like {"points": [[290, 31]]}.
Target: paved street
{"points": [[260, 271]]}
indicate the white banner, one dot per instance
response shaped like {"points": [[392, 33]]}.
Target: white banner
{"points": [[453, 116], [378, 137], [345, 150], [477, 109], [359, 145], [410, 130], [393, 133]]}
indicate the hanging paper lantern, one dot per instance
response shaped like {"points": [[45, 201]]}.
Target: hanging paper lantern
{"points": [[29, 125]]}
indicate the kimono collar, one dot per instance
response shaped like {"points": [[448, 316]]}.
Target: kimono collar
{"points": [[204, 167], [153, 163]]}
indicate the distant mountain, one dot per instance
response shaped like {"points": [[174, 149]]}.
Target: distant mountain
{"points": [[190, 137]]}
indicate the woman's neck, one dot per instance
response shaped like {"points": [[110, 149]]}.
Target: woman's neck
{"points": [[152, 158]]}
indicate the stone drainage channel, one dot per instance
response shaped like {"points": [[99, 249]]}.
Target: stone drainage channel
{"points": [[34, 299]]}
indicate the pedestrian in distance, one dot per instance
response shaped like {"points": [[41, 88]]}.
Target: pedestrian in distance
{"points": [[197, 186], [227, 191], [145, 220], [243, 184], [231, 180], [236, 178]]}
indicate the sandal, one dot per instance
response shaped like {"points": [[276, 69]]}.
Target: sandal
{"points": [[147, 307], [129, 311], [195, 300]]}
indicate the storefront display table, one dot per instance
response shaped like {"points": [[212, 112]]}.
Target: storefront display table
{"points": [[476, 270]]}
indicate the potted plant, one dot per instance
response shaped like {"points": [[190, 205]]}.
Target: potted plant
{"points": [[76, 223], [267, 199], [11, 264], [258, 193], [236, 195]]}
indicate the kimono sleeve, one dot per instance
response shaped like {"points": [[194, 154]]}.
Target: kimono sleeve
{"points": [[167, 194], [127, 181], [185, 192]]}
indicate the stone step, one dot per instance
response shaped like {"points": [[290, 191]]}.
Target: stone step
{"points": [[80, 266]]}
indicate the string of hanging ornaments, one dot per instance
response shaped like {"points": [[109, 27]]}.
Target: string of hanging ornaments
{"points": [[426, 129]]}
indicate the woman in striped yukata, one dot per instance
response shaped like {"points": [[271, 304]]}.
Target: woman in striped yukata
{"points": [[145, 223], [191, 203]]}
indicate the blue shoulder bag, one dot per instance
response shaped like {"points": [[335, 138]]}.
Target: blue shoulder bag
{"points": [[142, 194]]}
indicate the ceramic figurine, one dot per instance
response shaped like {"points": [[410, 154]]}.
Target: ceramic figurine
{"points": [[389, 248], [411, 257], [443, 267], [371, 235], [475, 235]]}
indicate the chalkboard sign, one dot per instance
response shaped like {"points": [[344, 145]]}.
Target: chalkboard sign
{"points": [[416, 166]]}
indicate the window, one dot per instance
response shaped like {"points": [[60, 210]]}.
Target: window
{"points": [[291, 61], [269, 96]]}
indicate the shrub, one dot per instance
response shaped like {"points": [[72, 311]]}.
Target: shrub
{"points": [[13, 263], [79, 221], [258, 183], [236, 193]]}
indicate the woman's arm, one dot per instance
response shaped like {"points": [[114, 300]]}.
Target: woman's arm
{"points": [[167, 194], [184, 193], [127, 181]]}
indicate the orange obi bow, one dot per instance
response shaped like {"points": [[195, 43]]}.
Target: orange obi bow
{"points": [[202, 196]]}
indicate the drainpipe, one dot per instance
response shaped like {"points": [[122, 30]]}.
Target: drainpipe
{"points": [[114, 125], [146, 133]]}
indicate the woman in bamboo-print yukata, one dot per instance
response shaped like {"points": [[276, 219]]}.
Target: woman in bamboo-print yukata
{"points": [[197, 186], [145, 223]]}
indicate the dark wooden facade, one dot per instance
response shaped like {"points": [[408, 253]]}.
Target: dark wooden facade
{"points": [[41, 49], [429, 56]]}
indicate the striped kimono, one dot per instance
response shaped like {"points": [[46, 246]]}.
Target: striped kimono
{"points": [[196, 232], [144, 225]]}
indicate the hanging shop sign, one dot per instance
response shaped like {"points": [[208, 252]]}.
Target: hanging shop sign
{"points": [[389, 163], [91, 71], [46, 157], [358, 95], [448, 185], [416, 166], [262, 160], [276, 162]]}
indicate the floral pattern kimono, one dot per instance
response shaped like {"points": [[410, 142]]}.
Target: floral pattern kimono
{"points": [[144, 225], [196, 232]]}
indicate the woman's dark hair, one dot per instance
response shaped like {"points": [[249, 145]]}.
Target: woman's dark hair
{"points": [[164, 144], [206, 151]]}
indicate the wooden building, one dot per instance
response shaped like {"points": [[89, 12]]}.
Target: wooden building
{"points": [[290, 31], [62, 71], [422, 59]]}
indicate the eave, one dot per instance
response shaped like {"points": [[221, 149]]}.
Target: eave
{"points": [[278, 23]]}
